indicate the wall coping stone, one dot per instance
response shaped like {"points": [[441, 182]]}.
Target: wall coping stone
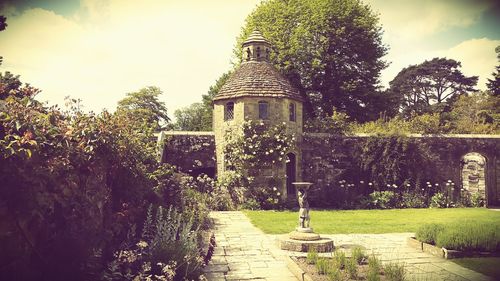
{"points": [[364, 135]]}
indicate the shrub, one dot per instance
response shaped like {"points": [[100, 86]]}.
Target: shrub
{"points": [[352, 268], [469, 236], [167, 247], [477, 200], [413, 200], [438, 200], [395, 272], [358, 255], [312, 256], [335, 274], [374, 267], [428, 232], [322, 265], [340, 259], [383, 199]]}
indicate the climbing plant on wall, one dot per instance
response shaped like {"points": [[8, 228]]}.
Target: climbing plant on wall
{"points": [[254, 146]]}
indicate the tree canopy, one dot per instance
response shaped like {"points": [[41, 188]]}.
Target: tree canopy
{"points": [[331, 51], [144, 106], [426, 87], [494, 84]]}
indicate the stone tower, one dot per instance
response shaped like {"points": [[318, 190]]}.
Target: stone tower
{"points": [[257, 91]]}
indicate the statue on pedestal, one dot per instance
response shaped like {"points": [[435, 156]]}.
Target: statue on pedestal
{"points": [[304, 218]]}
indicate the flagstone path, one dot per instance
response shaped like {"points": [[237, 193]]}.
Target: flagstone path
{"points": [[244, 252]]}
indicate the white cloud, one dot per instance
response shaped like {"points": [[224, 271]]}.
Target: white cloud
{"points": [[478, 58], [411, 20], [107, 49]]}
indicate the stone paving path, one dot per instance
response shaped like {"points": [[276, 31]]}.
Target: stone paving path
{"points": [[244, 252]]}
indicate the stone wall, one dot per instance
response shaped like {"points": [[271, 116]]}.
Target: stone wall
{"points": [[329, 159], [191, 152]]}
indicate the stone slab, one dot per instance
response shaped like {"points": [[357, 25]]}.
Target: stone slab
{"points": [[321, 246]]}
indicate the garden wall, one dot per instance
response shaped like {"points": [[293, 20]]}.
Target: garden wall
{"points": [[334, 162], [191, 152], [338, 166]]}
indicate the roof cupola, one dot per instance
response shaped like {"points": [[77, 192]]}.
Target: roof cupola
{"points": [[256, 47]]}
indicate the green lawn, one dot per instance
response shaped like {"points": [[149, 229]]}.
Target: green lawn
{"points": [[368, 221], [487, 266]]}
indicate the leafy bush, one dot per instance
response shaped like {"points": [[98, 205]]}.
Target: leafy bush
{"points": [[312, 256], [374, 267], [352, 268], [438, 200], [428, 232], [166, 250], [469, 236], [74, 184], [340, 259], [358, 255], [322, 265], [477, 200], [383, 199], [413, 200], [395, 272]]}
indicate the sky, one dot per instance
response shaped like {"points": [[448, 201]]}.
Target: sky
{"points": [[99, 50]]}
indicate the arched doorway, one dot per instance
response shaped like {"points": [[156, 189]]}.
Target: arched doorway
{"points": [[474, 174], [291, 170]]}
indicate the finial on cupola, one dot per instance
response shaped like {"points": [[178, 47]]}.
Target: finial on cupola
{"points": [[256, 47]]}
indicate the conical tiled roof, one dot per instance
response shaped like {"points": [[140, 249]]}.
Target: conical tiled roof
{"points": [[257, 79]]}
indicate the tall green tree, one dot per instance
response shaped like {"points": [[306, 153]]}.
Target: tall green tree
{"points": [[331, 51], [144, 108], [430, 87], [192, 118], [494, 84]]}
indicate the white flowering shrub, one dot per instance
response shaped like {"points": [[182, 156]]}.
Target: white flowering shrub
{"points": [[248, 149]]}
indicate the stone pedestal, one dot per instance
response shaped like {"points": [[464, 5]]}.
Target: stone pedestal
{"points": [[303, 239]]}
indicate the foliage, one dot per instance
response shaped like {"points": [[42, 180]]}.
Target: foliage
{"points": [[166, 250], [427, 87], [144, 108], [312, 256], [427, 233], [477, 113], [494, 84], [338, 124], [395, 272], [395, 160], [383, 199], [322, 265], [352, 268], [191, 118], [73, 184], [438, 200], [469, 236], [251, 148], [358, 255], [374, 267], [340, 259], [331, 51], [413, 199]]}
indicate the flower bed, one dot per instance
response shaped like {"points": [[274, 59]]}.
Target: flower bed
{"points": [[465, 239]]}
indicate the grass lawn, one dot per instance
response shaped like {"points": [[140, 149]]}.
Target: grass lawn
{"points": [[368, 221], [487, 266]]}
